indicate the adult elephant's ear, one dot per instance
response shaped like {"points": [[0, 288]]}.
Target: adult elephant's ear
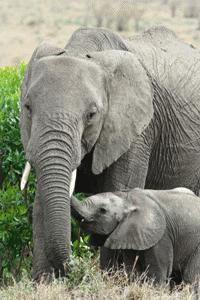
{"points": [[142, 226], [130, 106], [43, 50]]}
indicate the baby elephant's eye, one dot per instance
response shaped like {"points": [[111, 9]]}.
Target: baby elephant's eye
{"points": [[103, 210]]}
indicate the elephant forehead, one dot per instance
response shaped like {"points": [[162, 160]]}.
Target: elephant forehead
{"points": [[99, 198], [65, 66], [66, 72], [62, 76], [107, 199]]}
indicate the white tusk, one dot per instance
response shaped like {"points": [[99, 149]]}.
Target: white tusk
{"points": [[25, 175], [82, 220], [72, 183]]}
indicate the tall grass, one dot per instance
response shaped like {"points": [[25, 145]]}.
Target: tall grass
{"points": [[87, 282]]}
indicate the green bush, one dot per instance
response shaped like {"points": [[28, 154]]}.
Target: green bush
{"points": [[15, 234], [15, 225], [16, 207], [11, 152]]}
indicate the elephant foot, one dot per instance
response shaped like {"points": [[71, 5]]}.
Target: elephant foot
{"points": [[49, 274], [43, 276]]}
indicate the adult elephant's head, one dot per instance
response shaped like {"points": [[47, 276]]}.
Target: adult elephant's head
{"points": [[70, 105]]}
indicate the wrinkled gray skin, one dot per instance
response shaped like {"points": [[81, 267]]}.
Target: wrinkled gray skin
{"points": [[162, 228], [131, 105]]}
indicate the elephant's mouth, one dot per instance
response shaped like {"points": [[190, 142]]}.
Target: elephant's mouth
{"points": [[86, 224], [76, 215], [80, 218]]}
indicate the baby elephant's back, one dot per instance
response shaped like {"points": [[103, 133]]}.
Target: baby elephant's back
{"points": [[181, 204]]}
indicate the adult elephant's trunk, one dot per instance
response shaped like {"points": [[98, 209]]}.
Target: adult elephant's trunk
{"points": [[54, 165]]}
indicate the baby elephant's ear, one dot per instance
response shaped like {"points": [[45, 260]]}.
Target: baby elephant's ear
{"points": [[142, 226]]}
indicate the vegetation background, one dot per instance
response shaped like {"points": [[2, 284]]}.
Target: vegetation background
{"points": [[24, 24]]}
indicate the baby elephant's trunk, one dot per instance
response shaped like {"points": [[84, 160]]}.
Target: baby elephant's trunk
{"points": [[79, 209]]}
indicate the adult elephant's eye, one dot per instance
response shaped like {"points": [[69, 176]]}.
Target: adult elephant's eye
{"points": [[103, 210], [91, 114], [28, 109]]}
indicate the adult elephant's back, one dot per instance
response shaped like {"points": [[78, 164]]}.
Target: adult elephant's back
{"points": [[174, 70]]}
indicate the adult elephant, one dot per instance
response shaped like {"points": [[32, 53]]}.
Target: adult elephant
{"points": [[126, 112]]}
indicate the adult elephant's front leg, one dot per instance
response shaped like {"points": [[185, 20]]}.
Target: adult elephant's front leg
{"points": [[128, 172]]}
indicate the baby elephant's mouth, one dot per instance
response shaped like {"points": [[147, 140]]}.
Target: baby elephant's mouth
{"points": [[86, 221], [80, 218], [76, 215], [88, 225]]}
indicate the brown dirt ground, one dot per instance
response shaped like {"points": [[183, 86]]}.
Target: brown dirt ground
{"points": [[24, 24]]}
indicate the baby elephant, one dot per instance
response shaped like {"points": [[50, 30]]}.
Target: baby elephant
{"points": [[160, 228]]}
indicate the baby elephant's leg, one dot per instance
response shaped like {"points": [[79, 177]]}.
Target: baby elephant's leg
{"points": [[191, 272], [110, 260], [158, 261], [132, 263]]}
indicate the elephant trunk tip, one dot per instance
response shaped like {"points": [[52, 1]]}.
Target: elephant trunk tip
{"points": [[58, 255]]}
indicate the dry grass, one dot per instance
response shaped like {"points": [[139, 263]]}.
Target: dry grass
{"points": [[87, 282]]}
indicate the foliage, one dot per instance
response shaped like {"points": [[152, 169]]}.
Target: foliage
{"points": [[15, 228], [15, 206], [15, 234], [11, 152]]}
